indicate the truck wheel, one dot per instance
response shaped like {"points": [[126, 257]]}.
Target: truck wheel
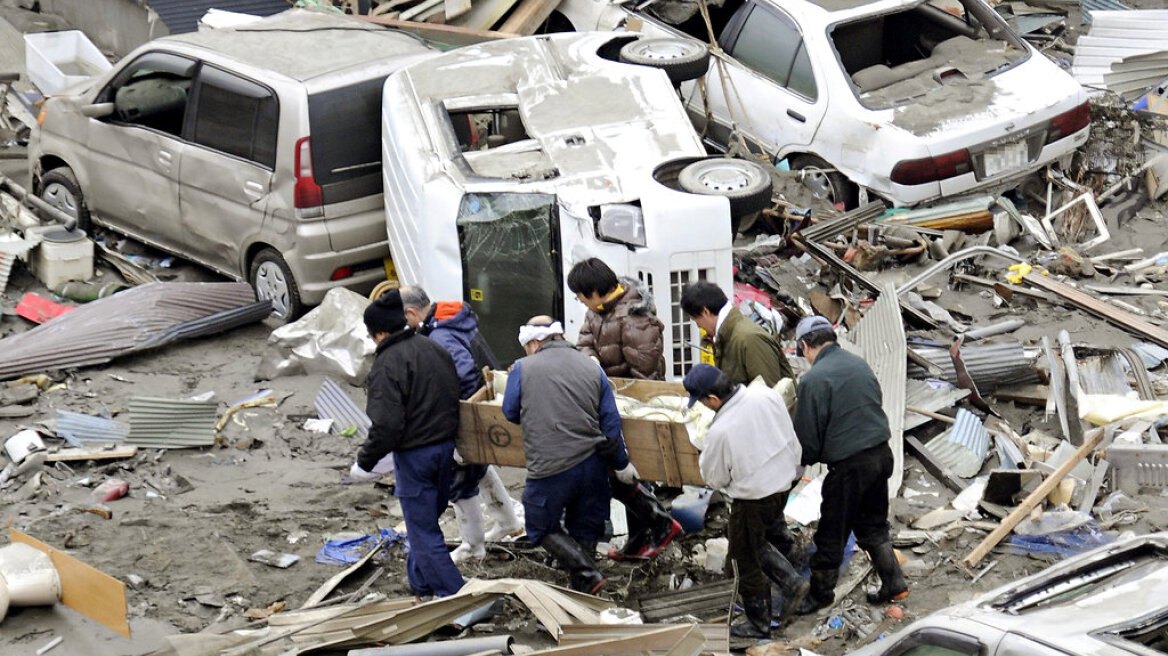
{"points": [[681, 59], [273, 280], [826, 183], [745, 183], [59, 188]]}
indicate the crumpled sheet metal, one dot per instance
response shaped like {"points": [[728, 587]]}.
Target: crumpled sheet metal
{"points": [[333, 403], [990, 364], [964, 447], [75, 426], [928, 396], [143, 317], [331, 339]]}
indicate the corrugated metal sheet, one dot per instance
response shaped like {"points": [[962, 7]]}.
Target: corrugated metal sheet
{"points": [[1091, 6], [1132, 77], [87, 428], [1114, 36], [10, 251], [844, 222], [333, 403], [989, 364], [1103, 374], [172, 423], [182, 16], [143, 317], [925, 396], [880, 336], [962, 448]]}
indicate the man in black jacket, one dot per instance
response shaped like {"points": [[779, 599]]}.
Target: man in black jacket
{"points": [[413, 403]]}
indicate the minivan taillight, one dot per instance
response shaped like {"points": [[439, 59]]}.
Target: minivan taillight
{"points": [[932, 169], [307, 194], [1068, 123]]}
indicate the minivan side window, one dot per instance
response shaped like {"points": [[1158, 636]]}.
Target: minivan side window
{"points": [[770, 44], [152, 92], [235, 116]]}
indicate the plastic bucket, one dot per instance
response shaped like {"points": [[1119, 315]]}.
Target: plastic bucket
{"points": [[716, 549]]}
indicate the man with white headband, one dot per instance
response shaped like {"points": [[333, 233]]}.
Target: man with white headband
{"points": [[571, 437]]}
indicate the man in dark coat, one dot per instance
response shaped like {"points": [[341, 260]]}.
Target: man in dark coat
{"points": [[742, 349], [840, 421], [413, 404]]}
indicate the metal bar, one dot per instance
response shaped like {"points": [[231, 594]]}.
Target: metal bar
{"points": [[1097, 307], [953, 259]]}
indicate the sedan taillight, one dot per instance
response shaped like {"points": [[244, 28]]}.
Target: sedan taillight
{"points": [[932, 169], [1068, 123]]}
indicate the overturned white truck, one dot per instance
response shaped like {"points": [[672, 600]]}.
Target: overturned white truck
{"points": [[506, 162]]}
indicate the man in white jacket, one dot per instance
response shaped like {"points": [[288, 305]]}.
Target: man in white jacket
{"points": [[751, 456]]}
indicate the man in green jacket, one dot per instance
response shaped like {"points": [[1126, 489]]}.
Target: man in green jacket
{"points": [[742, 349], [840, 422]]}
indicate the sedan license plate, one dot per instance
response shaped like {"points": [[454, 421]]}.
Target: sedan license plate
{"points": [[1008, 157]]}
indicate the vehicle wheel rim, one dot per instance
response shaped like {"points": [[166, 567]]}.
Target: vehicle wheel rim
{"points": [[59, 196], [726, 178], [271, 285], [665, 51], [819, 184]]}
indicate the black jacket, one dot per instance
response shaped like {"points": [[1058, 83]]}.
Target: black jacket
{"points": [[839, 411], [413, 397]]}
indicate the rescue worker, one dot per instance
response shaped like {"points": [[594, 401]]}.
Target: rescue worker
{"points": [[742, 349], [840, 422], [621, 330], [571, 438], [413, 405], [752, 456], [454, 326]]}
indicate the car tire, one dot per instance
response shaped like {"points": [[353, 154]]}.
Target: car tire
{"points": [[746, 184], [271, 279], [681, 59], [60, 189], [825, 183]]}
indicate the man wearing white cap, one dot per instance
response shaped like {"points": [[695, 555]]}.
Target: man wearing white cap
{"points": [[571, 437], [841, 423]]}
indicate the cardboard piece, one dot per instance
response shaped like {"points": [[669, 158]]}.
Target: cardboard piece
{"points": [[85, 589]]}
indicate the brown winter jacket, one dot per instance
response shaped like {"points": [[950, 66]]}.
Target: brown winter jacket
{"points": [[627, 337], [743, 350]]}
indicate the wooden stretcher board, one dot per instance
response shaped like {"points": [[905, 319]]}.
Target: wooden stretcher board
{"points": [[660, 450]]}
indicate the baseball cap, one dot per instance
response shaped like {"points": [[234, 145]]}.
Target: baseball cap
{"points": [[699, 381], [809, 325]]}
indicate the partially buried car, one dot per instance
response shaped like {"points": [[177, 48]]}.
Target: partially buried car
{"points": [[914, 100], [1112, 601]]}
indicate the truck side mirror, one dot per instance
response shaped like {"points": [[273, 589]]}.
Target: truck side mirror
{"points": [[98, 110]]}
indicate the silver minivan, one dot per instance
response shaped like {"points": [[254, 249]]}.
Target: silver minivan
{"points": [[254, 151]]}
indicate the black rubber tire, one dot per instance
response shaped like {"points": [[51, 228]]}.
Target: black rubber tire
{"points": [[839, 189], [681, 59], [62, 179], [746, 184], [270, 277]]}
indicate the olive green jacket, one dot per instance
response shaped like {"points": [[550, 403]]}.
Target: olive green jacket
{"points": [[743, 350]]}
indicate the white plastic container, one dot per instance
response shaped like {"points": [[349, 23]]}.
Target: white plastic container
{"points": [[29, 577], [57, 59], [23, 443], [716, 549], [63, 256]]}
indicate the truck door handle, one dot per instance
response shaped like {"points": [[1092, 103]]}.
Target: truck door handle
{"points": [[253, 190], [796, 115]]}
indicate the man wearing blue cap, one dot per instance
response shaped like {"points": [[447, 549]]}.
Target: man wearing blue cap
{"points": [[841, 423], [752, 456]]}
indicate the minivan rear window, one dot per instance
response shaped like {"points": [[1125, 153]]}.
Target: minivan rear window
{"points": [[345, 125]]}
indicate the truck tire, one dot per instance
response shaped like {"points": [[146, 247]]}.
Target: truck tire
{"points": [[681, 59], [271, 279], [746, 184], [59, 188]]}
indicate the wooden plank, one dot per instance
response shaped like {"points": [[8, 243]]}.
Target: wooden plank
{"points": [[1090, 441], [448, 35], [934, 466], [1099, 308], [85, 589], [71, 454], [456, 8], [484, 14], [528, 16], [419, 8], [668, 455]]}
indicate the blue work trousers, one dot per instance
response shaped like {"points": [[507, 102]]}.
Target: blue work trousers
{"points": [[423, 487], [575, 500]]}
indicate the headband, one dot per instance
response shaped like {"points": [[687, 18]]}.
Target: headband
{"points": [[529, 332]]}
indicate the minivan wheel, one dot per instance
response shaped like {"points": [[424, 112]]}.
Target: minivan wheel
{"points": [[273, 280], [747, 184], [59, 188], [826, 183], [681, 59]]}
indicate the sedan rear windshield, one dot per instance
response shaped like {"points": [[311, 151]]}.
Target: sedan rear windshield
{"points": [[345, 126]]}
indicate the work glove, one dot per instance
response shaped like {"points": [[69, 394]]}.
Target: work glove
{"points": [[358, 474], [628, 475]]}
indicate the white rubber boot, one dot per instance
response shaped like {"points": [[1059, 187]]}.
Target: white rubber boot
{"points": [[470, 526], [501, 507]]}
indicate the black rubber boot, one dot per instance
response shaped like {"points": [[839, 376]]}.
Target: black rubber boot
{"points": [[651, 527], [822, 592], [892, 584], [574, 558], [757, 624], [778, 569], [779, 535]]}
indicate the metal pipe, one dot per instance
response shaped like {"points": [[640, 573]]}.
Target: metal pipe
{"points": [[1145, 263], [1119, 255], [464, 647], [1007, 326], [953, 259], [53, 213]]}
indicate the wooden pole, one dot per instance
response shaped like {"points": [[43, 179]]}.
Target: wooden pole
{"points": [[1090, 441]]}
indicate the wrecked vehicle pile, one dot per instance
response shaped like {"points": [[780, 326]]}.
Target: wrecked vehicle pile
{"points": [[181, 466]]}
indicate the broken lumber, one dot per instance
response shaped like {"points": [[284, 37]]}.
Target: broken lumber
{"points": [[527, 16], [71, 454], [450, 35], [1090, 441], [1099, 308]]}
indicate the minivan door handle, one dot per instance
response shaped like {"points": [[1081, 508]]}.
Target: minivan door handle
{"points": [[253, 190], [796, 115], [164, 158]]}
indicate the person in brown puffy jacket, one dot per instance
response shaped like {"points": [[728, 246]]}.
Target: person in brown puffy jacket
{"points": [[622, 331]]}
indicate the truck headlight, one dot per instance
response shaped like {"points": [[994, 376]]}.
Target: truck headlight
{"points": [[623, 224]]}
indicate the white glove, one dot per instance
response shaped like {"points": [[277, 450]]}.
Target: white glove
{"points": [[628, 475], [358, 474]]}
